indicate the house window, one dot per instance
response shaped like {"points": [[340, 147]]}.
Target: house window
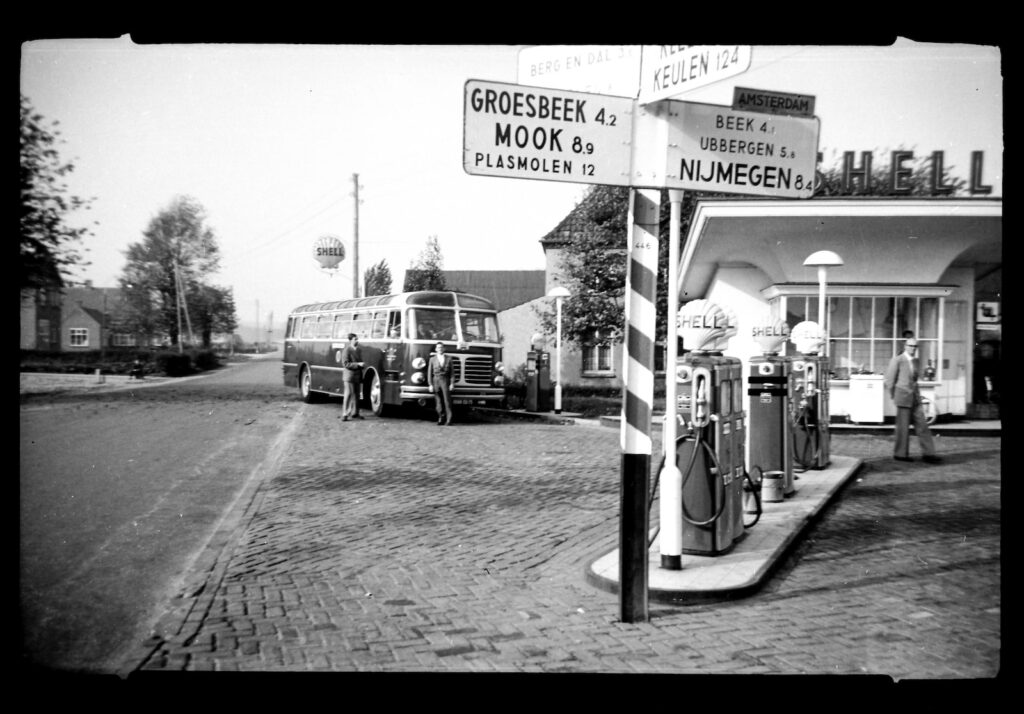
{"points": [[597, 355], [79, 336], [122, 339]]}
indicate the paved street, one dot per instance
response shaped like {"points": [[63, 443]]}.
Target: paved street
{"points": [[397, 545]]}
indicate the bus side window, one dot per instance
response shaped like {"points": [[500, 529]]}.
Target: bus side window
{"points": [[308, 327], [341, 323], [379, 325], [395, 324]]}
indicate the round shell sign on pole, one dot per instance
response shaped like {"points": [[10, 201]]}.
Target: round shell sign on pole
{"points": [[328, 251]]}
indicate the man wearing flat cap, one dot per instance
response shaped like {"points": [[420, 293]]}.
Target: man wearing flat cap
{"points": [[901, 383]]}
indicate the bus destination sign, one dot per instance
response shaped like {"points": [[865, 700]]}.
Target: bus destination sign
{"points": [[517, 131]]}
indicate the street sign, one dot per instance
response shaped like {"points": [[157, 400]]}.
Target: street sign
{"points": [[601, 69], [517, 131], [716, 148], [768, 102], [670, 70]]}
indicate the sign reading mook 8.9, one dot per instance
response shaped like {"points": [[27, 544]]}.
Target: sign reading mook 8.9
{"points": [[517, 131]]}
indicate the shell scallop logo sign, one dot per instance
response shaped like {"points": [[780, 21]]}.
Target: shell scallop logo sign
{"points": [[704, 326], [328, 251], [770, 335], [808, 337]]}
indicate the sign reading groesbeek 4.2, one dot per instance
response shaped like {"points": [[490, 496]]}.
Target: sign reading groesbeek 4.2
{"points": [[517, 131]]}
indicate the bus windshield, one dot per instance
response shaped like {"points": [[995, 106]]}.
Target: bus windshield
{"points": [[427, 324]]}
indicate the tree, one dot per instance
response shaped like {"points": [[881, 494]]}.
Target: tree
{"points": [[427, 273], [50, 247], [177, 244], [213, 310], [595, 252], [377, 279]]}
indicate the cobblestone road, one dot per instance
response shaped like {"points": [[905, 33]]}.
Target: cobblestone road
{"points": [[396, 545]]}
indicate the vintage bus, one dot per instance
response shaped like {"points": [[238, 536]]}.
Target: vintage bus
{"points": [[397, 335]]}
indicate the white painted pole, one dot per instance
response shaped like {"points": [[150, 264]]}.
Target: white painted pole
{"points": [[558, 357], [822, 277], [670, 535]]}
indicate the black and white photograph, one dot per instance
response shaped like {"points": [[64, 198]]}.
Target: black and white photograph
{"points": [[401, 359]]}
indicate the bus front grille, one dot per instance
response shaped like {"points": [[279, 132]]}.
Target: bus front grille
{"points": [[474, 369]]}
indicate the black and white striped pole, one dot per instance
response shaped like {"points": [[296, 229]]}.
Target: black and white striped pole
{"points": [[638, 393]]}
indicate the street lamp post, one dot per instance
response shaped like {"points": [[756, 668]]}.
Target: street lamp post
{"points": [[823, 259], [558, 293]]}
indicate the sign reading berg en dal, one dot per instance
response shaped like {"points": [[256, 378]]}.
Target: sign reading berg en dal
{"points": [[516, 131], [668, 70], [715, 148], [604, 69]]}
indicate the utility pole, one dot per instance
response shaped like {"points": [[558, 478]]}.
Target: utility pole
{"points": [[177, 300], [355, 239], [257, 327]]}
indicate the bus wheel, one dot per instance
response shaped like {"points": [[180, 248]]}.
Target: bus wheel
{"points": [[305, 387], [377, 397]]}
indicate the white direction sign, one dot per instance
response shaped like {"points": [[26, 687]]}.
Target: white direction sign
{"points": [[669, 70], [517, 131], [602, 69], [716, 148]]}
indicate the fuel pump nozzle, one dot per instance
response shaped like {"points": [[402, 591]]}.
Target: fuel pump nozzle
{"points": [[701, 415]]}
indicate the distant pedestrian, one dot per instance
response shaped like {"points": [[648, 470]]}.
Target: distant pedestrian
{"points": [[901, 383], [136, 370], [439, 378], [352, 361]]}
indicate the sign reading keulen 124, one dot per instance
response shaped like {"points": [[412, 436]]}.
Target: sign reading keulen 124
{"points": [[517, 131], [715, 148]]}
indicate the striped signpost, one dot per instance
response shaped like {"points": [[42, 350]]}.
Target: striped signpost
{"points": [[638, 394]]}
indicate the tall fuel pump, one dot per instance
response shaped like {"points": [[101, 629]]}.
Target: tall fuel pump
{"points": [[710, 453], [771, 412], [811, 436]]}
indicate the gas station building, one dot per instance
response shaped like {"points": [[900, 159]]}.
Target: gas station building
{"points": [[920, 264], [932, 265]]}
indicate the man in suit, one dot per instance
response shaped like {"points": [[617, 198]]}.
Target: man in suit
{"points": [[439, 378], [352, 377], [901, 383]]}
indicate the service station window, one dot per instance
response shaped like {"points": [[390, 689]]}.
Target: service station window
{"points": [[866, 331]]}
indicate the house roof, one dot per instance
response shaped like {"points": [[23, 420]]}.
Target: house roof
{"points": [[505, 288], [93, 298], [580, 222]]}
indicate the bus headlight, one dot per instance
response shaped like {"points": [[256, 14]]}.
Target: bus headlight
{"points": [[419, 363], [499, 380], [418, 377], [499, 366]]}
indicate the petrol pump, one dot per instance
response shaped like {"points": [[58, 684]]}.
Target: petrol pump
{"points": [[770, 392], [538, 381], [811, 375], [710, 452]]}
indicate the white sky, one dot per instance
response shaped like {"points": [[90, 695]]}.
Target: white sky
{"points": [[267, 138]]}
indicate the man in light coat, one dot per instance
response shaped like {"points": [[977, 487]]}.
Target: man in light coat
{"points": [[901, 383]]}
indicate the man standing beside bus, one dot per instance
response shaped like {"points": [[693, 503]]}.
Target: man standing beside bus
{"points": [[352, 361], [439, 377]]}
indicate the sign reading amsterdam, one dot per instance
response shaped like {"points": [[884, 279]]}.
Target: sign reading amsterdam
{"points": [[516, 131], [762, 100], [715, 148]]}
